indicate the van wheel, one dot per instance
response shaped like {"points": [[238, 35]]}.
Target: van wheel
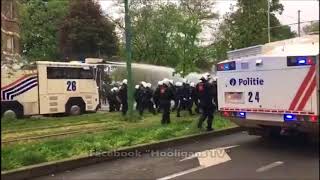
{"points": [[75, 106], [11, 114], [74, 110]]}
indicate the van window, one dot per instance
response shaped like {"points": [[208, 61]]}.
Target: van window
{"points": [[68, 73]]}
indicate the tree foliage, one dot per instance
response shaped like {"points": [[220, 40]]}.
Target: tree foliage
{"points": [[85, 32], [247, 26], [313, 27], [39, 23], [168, 34]]}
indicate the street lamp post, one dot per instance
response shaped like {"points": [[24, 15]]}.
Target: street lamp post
{"points": [[128, 52], [269, 21]]}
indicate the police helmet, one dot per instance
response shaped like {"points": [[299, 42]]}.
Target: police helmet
{"points": [[204, 77], [166, 81], [178, 84], [207, 74]]}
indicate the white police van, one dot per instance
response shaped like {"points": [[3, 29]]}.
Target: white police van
{"points": [[272, 88]]}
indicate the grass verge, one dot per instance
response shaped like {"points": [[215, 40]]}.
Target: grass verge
{"points": [[146, 130]]}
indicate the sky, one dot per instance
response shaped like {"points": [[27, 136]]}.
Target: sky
{"points": [[309, 11]]}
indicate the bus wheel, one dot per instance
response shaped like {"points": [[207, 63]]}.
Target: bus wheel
{"points": [[74, 110], [11, 110], [75, 106], [9, 114]]}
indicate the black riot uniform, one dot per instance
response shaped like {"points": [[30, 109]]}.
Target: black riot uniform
{"points": [[117, 104], [183, 94], [194, 99], [189, 99], [104, 93], [165, 97], [149, 103], [156, 99], [179, 102], [205, 94], [123, 98], [173, 89], [111, 100], [137, 97], [146, 102]]}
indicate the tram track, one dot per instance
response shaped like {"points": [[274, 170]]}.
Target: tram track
{"points": [[50, 127], [60, 134]]}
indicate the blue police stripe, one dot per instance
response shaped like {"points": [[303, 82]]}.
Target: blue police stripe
{"points": [[16, 90], [5, 94], [25, 90], [19, 84]]}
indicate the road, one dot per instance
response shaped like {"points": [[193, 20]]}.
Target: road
{"points": [[239, 156]]}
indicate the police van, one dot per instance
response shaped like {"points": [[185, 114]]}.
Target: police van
{"points": [[49, 88], [272, 88]]}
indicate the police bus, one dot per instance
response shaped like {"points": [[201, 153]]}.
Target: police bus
{"points": [[272, 88], [49, 88]]}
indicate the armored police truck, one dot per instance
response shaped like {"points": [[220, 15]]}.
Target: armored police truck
{"points": [[49, 88], [272, 88]]}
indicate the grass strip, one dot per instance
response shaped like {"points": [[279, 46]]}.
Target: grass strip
{"points": [[147, 130]]}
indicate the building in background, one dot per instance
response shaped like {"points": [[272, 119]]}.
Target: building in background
{"points": [[10, 37]]}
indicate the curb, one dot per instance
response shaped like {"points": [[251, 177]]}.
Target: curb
{"points": [[52, 167]]}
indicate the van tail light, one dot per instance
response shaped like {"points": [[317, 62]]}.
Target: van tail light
{"points": [[308, 118], [234, 114], [313, 118], [226, 113]]}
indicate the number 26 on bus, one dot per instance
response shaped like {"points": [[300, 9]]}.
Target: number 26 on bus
{"points": [[71, 85]]}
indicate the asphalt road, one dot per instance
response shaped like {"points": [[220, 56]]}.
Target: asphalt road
{"points": [[249, 157]]}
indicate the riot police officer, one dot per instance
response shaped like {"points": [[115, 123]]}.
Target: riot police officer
{"points": [[165, 97], [111, 99], [188, 96], [194, 98], [123, 97], [117, 102], [174, 91], [184, 95], [146, 96], [205, 94], [179, 97], [156, 96], [136, 96], [149, 103]]}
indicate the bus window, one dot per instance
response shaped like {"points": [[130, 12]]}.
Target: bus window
{"points": [[86, 74], [68, 73]]}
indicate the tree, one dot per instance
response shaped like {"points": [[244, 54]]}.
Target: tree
{"points": [[247, 26], [167, 32], [167, 35], [85, 32], [39, 24], [313, 27]]}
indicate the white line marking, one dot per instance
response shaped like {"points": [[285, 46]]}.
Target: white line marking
{"points": [[181, 173], [210, 151], [269, 166], [206, 159]]}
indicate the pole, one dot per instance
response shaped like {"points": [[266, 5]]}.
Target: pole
{"points": [[299, 23], [268, 21], [128, 49]]}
